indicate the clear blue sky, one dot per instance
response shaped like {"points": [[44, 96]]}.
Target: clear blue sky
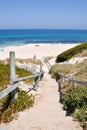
{"points": [[57, 14]]}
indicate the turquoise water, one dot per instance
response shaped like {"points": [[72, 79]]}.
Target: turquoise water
{"points": [[26, 36]]}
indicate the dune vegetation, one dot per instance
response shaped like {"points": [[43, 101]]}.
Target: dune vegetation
{"points": [[68, 54], [74, 99], [9, 108]]}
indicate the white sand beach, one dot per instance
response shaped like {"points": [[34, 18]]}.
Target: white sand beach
{"points": [[40, 50], [47, 113]]}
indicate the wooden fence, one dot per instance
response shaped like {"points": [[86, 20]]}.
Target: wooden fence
{"points": [[71, 80], [12, 89]]}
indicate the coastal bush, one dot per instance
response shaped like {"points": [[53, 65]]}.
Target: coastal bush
{"points": [[8, 108], [66, 55], [76, 98], [5, 75], [81, 114]]}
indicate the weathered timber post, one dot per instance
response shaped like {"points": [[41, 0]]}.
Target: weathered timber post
{"points": [[36, 81], [14, 93], [59, 86], [42, 73], [73, 85]]}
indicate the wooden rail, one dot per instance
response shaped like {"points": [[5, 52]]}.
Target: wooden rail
{"points": [[12, 89], [78, 81], [71, 80]]}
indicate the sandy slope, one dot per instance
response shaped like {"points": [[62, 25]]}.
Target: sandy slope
{"points": [[47, 113]]}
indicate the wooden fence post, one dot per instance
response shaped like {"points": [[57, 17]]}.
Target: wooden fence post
{"points": [[73, 84], [14, 93], [36, 81], [59, 86], [42, 73]]}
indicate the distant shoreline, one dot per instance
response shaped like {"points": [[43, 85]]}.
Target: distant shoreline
{"points": [[24, 44], [39, 36]]}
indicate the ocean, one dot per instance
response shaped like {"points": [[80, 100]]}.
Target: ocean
{"points": [[27, 36]]}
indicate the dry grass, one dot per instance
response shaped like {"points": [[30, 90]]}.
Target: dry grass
{"points": [[61, 68], [82, 54], [46, 59], [6, 61], [30, 60], [5, 75], [81, 69]]}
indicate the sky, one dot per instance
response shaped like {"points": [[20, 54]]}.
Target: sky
{"points": [[43, 14]]}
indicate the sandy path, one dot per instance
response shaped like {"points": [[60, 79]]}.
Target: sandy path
{"points": [[47, 113]]}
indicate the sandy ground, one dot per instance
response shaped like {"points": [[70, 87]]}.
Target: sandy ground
{"points": [[30, 50], [47, 112]]}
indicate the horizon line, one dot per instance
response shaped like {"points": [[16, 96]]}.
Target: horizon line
{"points": [[42, 29]]}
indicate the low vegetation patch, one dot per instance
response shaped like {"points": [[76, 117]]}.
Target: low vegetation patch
{"points": [[75, 101], [81, 70], [74, 98], [30, 60], [82, 54], [5, 75], [60, 68], [46, 59], [71, 52], [9, 108]]}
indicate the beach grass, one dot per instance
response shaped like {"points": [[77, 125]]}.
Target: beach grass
{"points": [[61, 68], [30, 60], [81, 71], [82, 54], [5, 75]]}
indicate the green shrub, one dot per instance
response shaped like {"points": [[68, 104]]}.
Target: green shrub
{"points": [[9, 108], [66, 55], [81, 116], [75, 99]]}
